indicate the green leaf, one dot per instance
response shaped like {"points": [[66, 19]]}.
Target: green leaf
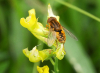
{"points": [[77, 56], [79, 10]]}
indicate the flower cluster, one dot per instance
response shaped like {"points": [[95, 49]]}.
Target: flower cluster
{"points": [[40, 32], [35, 56]]}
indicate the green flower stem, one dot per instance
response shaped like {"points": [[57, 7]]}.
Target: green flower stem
{"points": [[35, 67], [79, 10], [52, 61], [38, 63], [56, 65]]}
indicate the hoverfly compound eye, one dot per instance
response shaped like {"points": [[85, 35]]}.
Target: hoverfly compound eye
{"points": [[50, 19]]}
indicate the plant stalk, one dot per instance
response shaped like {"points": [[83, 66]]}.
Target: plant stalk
{"points": [[79, 10]]}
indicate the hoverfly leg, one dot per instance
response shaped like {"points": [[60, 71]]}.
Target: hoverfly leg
{"points": [[47, 26]]}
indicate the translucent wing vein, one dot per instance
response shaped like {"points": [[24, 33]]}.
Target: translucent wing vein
{"points": [[70, 34]]}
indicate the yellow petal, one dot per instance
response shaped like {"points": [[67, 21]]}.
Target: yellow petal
{"points": [[39, 69], [44, 69], [32, 11], [50, 13], [26, 52], [34, 55], [30, 20], [23, 22], [42, 55], [60, 52]]}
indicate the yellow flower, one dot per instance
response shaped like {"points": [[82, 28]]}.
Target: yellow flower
{"points": [[35, 27], [35, 56], [44, 69], [60, 52]]}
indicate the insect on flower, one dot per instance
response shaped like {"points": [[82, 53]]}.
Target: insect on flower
{"points": [[57, 31]]}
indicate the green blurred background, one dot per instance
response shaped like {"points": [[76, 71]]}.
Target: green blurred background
{"points": [[82, 56]]}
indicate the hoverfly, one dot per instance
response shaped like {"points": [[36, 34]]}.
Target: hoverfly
{"points": [[57, 31]]}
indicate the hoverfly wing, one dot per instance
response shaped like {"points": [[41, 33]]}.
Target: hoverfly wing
{"points": [[70, 34], [51, 38]]}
